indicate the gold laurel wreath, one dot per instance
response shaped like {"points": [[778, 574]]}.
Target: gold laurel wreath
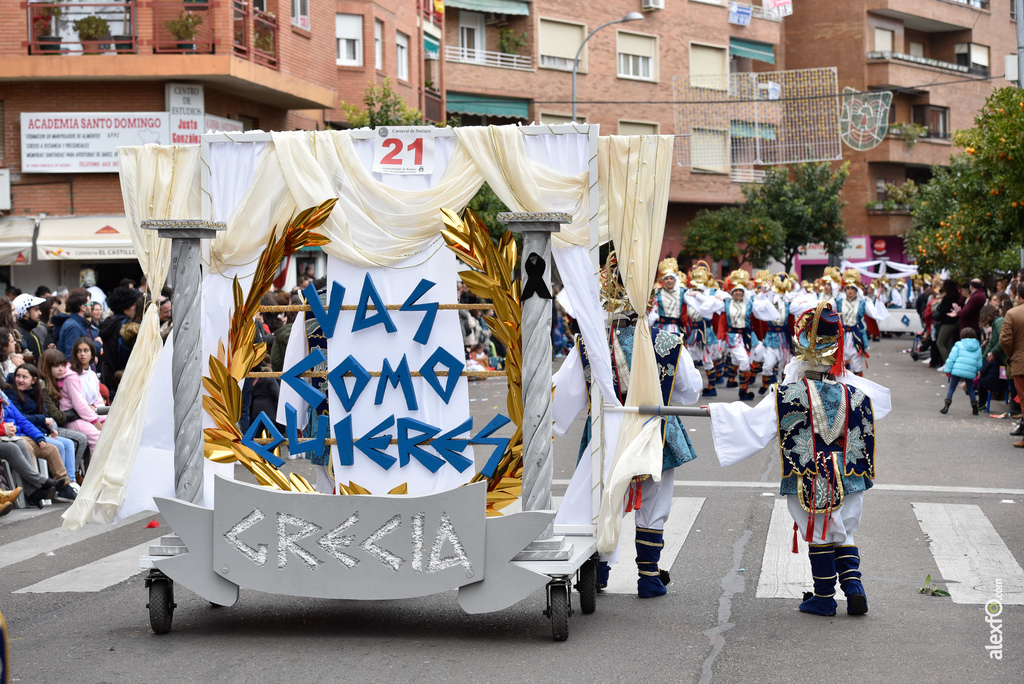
{"points": [[492, 280], [223, 401]]}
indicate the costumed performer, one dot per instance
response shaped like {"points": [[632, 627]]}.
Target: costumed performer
{"points": [[772, 307], [740, 335], [702, 305], [824, 418], [851, 310], [669, 298], [680, 384]]}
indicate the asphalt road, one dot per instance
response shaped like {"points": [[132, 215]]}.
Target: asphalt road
{"points": [[711, 627]]}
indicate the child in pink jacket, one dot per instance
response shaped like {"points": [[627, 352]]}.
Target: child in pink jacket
{"points": [[81, 392]]}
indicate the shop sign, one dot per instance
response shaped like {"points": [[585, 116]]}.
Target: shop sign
{"points": [[85, 142]]}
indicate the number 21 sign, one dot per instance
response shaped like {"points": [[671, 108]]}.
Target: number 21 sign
{"points": [[405, 150]]}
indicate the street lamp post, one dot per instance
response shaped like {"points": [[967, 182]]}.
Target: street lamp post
{"points": [[631, 16]]}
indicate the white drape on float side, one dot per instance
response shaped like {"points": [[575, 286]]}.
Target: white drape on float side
{"points": [[886, 267], [156, 182], [635, 173]]}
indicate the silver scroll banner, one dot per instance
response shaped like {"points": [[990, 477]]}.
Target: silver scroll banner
{"points": [[352, 547]]}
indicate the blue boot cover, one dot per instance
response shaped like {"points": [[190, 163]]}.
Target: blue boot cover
{"points": [[823, 570], [603, 570], [848, 568], [648, 550]]}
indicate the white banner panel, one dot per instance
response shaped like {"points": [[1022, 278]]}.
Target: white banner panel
{"points": [[374, 346], [187, 109], [85, 142]]}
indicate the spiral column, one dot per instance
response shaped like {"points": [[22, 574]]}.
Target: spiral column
{"points": [[186, 363], [538, 466]]}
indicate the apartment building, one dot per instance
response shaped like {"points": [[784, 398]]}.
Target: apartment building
{"points": [[79, 79], [938, 57], [512, 61]]}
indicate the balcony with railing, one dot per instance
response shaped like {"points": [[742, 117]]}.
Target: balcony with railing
{"points": [[501, 60], [183, 28], [81, 28]]}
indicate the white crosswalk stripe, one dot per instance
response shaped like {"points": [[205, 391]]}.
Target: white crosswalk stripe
{"points": [[969, 551], [623, 576], [95, 576], [784, 574], [55, 539]]}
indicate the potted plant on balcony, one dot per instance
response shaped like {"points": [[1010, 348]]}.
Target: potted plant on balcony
{"points": [[184, 28], [263, 39], [44, 18], [91, 30]]}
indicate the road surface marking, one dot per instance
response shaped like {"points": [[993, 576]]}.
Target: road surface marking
{"points": [[623, 576], [968, 549], [95, 576], [785, 574], [54, 539]]}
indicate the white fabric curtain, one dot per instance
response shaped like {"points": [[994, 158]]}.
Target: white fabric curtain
{"points": [[635, 173], [157, 182], [884, 268]]}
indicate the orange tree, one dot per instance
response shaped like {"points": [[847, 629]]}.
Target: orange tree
{"points": [[970, 217], [733, 234]]}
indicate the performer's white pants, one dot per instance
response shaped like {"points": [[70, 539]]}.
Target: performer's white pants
{"points": [[843, 523], [854, 361], [700, 354], [738, 354], [772, 358], [656, 501]]}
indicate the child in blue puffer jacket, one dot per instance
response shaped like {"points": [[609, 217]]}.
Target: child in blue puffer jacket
{"points": [[963, 363]]}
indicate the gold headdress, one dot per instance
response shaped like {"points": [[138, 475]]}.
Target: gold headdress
{"points": [[738, 278], [782, 283], [613, 292], [818, 338], [882, 281], [832, 273], [763, 277], [851, 277], [668, 267], [700, 274]]}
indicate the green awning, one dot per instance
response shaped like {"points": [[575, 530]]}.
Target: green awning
{"points": [[490, 106], [431, 47], [746, 129], [752, 49], [493, 6]]}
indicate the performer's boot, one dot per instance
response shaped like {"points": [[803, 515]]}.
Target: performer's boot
{"points": [[945, 406], [823, 570], [745, 378], [766, 382], [603, 570], [709, 391], [648, 550], [720, 371], [848, 569], [730, 375]]}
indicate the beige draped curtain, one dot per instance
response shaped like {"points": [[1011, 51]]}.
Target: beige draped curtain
{"points": [[634, 173], [157, 182]]}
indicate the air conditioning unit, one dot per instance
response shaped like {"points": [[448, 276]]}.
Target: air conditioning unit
{"points": [[647, 5], [495, 19]]}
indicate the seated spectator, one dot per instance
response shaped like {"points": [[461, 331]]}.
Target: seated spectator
{"points": [[81, 392], [34, 333], [10, 357], [51, 378], [26, 396], [15, 425]]}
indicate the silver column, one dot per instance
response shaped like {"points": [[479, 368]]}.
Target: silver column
{"points": [[538, 465], [186, 364]]}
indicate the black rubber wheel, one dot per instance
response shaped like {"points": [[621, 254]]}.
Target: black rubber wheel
{"points": [[161, 605], [558, 611], [587, 586]]}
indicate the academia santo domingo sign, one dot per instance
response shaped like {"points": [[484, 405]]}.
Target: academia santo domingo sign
{"points": [[61, 142]]}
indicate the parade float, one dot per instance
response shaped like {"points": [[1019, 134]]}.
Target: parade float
{"points": [[403, 506]]}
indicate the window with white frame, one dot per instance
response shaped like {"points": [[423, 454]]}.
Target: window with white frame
{"points": [[348, 29], [709, 67], [402, 55], [300, 13], [558, 44], [637, 56], [973, 56], [378, 44], [637, 128], [471, 36]]}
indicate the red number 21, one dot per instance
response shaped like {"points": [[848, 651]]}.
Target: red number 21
{"points": [[396, 149]]}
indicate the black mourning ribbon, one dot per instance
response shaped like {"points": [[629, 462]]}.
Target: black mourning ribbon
{"points": [[535, 284]]}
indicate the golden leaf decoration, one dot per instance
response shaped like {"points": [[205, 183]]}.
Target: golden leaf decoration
{"points": [[467, 236], [230, 365]]}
